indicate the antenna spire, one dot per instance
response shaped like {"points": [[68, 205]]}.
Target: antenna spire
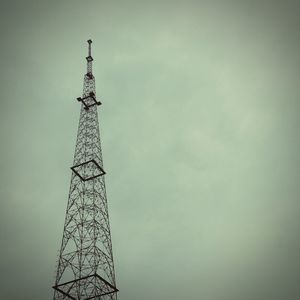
{"points": [[90, 47], [89, 59]]}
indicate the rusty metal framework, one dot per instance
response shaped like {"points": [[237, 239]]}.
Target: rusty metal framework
{"points": [[85, 268]]}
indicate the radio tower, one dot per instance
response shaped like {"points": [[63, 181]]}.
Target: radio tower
{"points": [[85, 267]]}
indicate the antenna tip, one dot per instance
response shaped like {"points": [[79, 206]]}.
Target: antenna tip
{"points": [[89, 41]]}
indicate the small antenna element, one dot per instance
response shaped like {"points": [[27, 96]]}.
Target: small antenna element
{"points": [[90, 47]]}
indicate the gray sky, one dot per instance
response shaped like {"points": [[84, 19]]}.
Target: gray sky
{"points": [[200, 142]]}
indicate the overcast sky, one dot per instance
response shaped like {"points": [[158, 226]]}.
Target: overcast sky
{"points": [[200, 138]]}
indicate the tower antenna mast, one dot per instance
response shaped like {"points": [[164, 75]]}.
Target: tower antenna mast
{"points": [[85, 267]]}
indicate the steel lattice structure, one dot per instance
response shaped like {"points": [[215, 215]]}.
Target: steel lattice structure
{"points": [[85, 268]]}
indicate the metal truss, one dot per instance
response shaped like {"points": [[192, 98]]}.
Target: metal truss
{"points": [[85, 268]]}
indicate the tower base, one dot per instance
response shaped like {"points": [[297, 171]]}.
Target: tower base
{"points": [[85, 288]]}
